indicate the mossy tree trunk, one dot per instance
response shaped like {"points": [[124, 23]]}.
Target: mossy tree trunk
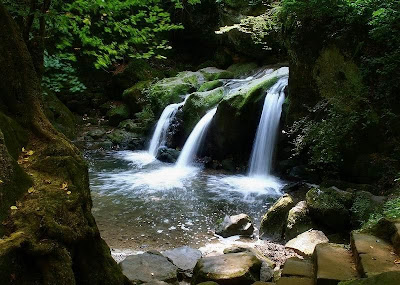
{"points": [[49, 235]]}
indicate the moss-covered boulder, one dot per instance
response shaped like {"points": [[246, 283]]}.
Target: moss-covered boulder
{"points": [[59, 115], [117, 114], [242, 69], [171, 90], [196, 107], [210, 85], [329, 207], [135, 96], [213, 73], [235, 123], [364, 205], [273, 222], [129, 74]]}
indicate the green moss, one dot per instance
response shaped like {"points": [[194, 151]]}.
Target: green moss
{"points": [[15, 137], [242, 69], [59, 115], [117, 114], [363, 206], [329, 207], [146, 118], [135, 96], [213, 73], [338, 79], [389, 211], [197, 105], [207, 86]]}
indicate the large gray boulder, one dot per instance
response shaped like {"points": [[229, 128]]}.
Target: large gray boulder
{"points": [[185, 258], [274, 221], [241, 268], [235, 225], [305, 243], [149, 267]]}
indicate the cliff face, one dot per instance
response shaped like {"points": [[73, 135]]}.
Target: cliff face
{"points": [[49, 235]]}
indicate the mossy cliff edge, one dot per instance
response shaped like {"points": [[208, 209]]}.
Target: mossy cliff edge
{"points": [[49, 235]]}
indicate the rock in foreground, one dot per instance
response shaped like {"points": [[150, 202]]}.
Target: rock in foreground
{"points": [[149, 267], [304, 244], [235, 225], [185, 258], [274, 221], [229, 269]]}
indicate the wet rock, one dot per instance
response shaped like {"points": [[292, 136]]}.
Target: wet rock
{"points": [[210, 85], [185, 258], [229, 269], [242, 69], [149, 267], [304, 244], [130, 126], [156, 283], [329, 207], [266, 271], [274, 221], [168, 154], [208, 283], [298, 220], [213, 73], [96, 133], [136, 144], [235, 225]]}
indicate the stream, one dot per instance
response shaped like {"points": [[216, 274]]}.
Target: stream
{"points": [[141, 203]]}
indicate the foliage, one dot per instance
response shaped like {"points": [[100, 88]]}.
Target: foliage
{"points": [[60, 75], [390, 210], [106, 31]]}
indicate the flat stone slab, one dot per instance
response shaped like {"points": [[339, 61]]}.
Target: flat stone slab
{"points": [[298, 267], [241, 268], [373, 255], [334, 263], [185, 258], [304, 244], [295, 281], [149, 267]]}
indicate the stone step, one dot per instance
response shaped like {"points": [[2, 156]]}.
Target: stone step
{"points": [[297, 271], [373, 255], [333, 263]]}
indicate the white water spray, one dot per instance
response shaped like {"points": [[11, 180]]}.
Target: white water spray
{"points": [[267, 131], [195, 139], [160, 133]]}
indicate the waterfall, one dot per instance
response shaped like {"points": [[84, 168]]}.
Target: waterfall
{"points": [[267, 131], [160, 134], [195, 139]]}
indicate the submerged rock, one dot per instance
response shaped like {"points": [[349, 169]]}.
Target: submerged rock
{"points": [[235, 225], [185, 258], [274, 221], [229, 269], [298, 220], [169, 155], [149, 267], [304, 244]]}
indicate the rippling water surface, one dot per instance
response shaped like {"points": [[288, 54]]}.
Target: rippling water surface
{"points": [[141, 203]]}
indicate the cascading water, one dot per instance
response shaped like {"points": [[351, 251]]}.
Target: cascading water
{"points": [[160, 133], [267, 131], [195, 139]]}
